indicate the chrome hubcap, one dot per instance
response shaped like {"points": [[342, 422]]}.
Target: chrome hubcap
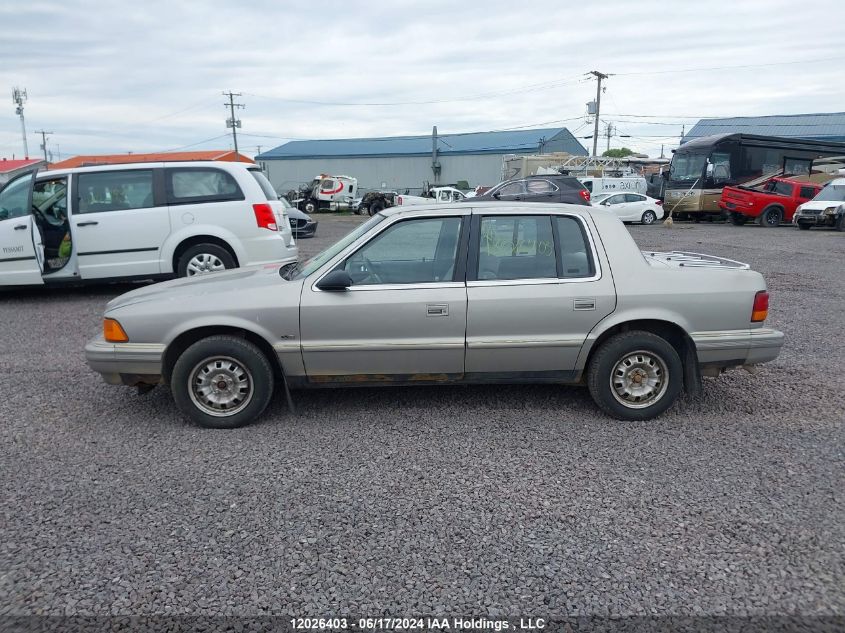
{"points": [[220, 386], [639, 380], [204, 263]]}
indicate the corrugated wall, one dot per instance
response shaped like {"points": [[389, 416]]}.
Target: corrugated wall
{"points": [[398, 173]]}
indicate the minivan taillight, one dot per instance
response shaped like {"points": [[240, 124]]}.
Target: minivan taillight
{"points": [[585, 194], [264, 216], [760, 309]]}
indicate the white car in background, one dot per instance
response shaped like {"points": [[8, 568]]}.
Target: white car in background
{"points": [[631, 207], [140, 221]]}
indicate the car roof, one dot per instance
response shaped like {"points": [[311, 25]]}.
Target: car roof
{"points": [[473, 207], [220, 164]]}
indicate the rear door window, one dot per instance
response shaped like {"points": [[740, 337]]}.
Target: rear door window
{"points": [[516, 247], [114, 191], [190, 185], [807, 192], [576, 256]]}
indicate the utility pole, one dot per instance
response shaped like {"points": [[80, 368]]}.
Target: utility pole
{"points": [[233, 122], [43, 141], [19, 98], [683, 127], [610, 132], [598, 76]]}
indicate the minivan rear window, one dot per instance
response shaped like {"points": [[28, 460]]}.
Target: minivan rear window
{"points": [[266, 187]]}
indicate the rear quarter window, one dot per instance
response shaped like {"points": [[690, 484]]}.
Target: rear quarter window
{"points": [[264, 183]]}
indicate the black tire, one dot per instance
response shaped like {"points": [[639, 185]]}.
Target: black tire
{"points": [[771, 217], [738, 219], [648, 217], [805, 226], [840, 223], [236, 359], [376, 207], [310, 207], [658, 361], [212, 256]]}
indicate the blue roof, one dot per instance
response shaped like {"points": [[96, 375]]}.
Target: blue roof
{"points": [[828, 126], [513, 141]]}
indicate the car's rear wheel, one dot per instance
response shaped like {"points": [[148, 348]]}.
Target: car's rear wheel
{"points": [[635, 376], [771, 217], [649, 217], [222, 382], [204, 258], [738, 219]]}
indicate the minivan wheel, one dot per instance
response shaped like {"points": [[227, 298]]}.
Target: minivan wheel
{"points": [[649, 217], [204, 258], [635, 376], [222, 382]]}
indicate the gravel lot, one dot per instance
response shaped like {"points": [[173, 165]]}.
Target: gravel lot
{"points": [[433, 500]]}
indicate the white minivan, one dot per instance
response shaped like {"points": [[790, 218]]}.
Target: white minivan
{"points": [[139, 221]]}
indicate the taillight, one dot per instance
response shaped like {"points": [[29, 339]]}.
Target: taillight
{"points": [[760, 309], [659, 203], [398, 200], [264, 216], [585, 194]]}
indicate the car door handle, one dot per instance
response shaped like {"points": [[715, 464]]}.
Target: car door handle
{"points": [[89, 223], [437, 309], [20, 227], [584, 304]]}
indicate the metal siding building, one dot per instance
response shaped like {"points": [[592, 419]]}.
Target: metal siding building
{"points": [[404, 162], [829, 126]]}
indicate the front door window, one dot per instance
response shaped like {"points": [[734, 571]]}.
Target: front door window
{"points": [[421, 250]]}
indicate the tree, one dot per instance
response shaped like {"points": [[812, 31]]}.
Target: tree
{"points": [[622, 152]]}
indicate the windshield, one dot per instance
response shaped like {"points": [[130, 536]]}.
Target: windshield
{"points": [[305, 269], [266, 187], [832, 193], [687, 167]]}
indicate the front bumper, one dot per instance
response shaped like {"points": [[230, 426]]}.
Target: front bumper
{"points": [[728, 348], [125, 363], [304, 229]]}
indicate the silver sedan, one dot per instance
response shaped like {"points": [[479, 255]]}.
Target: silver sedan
{"points": [[468, 293]]}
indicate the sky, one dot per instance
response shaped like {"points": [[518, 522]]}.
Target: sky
{"points": [[117, 76]]}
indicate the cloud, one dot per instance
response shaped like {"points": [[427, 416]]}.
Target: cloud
{"points": [[128, 76]]}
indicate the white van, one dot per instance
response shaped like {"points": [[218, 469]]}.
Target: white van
{"points": [[625, 184], [139, 221]]}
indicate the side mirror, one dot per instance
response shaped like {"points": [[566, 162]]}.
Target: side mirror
{"points": [[335, 281]]}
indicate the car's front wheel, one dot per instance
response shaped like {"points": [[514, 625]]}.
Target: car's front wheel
{"points": [[222, 382], [635, 376], [804, 226]]}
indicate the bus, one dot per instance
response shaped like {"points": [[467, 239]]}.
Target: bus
{"points": [[701, 167]]}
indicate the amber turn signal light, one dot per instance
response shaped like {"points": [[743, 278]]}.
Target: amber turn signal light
{"points": [[760, 309], [113, 331]]}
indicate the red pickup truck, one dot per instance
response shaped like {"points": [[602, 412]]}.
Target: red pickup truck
{"points": [[771, 204]]}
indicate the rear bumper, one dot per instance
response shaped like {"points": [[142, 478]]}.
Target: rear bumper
{"points": [[125, 363], [726, 348]]}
